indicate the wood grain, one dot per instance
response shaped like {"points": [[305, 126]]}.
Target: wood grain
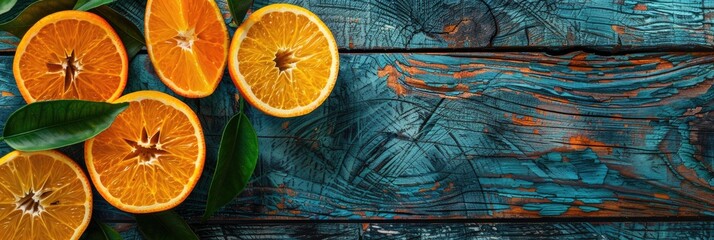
{"points": [[488, 135], [328, 231], [604, 25], [612, 230], [598, 24], [494, 135], [387, 231]]}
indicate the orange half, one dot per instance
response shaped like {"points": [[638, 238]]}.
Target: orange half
{"points": [[151, 157], [187, 41], [284, 60], [43, 195], [71, 55]]}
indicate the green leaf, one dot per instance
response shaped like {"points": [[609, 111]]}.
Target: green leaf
{"points": [[6, 5], [238, 9], [100, 231], [129, 33], [164, 225], [52, 124], [237, 157], [33, 13], [85, 5]]}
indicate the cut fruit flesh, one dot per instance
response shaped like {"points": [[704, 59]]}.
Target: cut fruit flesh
{"points": [[151, 157], [284, 60], [71, 55], [187, 42], [43, 195]]}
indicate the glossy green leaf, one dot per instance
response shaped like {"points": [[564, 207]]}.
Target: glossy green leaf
{"points": [[238, 9], [85, 5], [164, 225], [237, 157], [130, 35], [52, 124], [100, 231], [33, 13], [6, 5]]}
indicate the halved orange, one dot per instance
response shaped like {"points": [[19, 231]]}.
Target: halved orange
{"points": [[151, 157], [71, 55], [284, 60], [43, 195], [187, 41]]}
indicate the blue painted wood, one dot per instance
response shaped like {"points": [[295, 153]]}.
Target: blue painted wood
{"points": [[412, 24], [483, 135], [382, 231], [480, 135], [611, 230], [493, 135]]}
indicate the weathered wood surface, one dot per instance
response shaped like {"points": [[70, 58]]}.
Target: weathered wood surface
{"points": [[387, 231], [488, 135], [607, 25], [601, 24], [612, 230]]}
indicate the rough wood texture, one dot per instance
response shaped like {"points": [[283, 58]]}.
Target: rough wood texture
{"points": [[601, 24], [327, 231], [660, 230], [474, 136], [411, 24], [494, 135], [387, 231]]}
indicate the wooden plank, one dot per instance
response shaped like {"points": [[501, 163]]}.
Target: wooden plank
{"points": [[599, 24], [386, 231], [615, 230], [494, 135], [489, 135], [331, 231]]}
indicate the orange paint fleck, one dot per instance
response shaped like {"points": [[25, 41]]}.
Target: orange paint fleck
{"points": [[449, 188], [365, 226], [285, 125], [427, 65], [661, 196], [536, 131], [546, 99], [7, 94], [640, 7], [618, 29], [468, 74], [281, 204], [393, 76], [578, 63], [580, 143], [664, 65], [526, 121], [434, 188]]}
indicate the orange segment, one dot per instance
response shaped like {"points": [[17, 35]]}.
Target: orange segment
{"points": [[151, 157], [43, 195], [284, 60], [71, 55], [187, 42]]}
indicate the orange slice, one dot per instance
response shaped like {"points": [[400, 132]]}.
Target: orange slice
{"points": [[284, 60], [43, 195], [71, 55], [151, 157], [187, 41]]}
